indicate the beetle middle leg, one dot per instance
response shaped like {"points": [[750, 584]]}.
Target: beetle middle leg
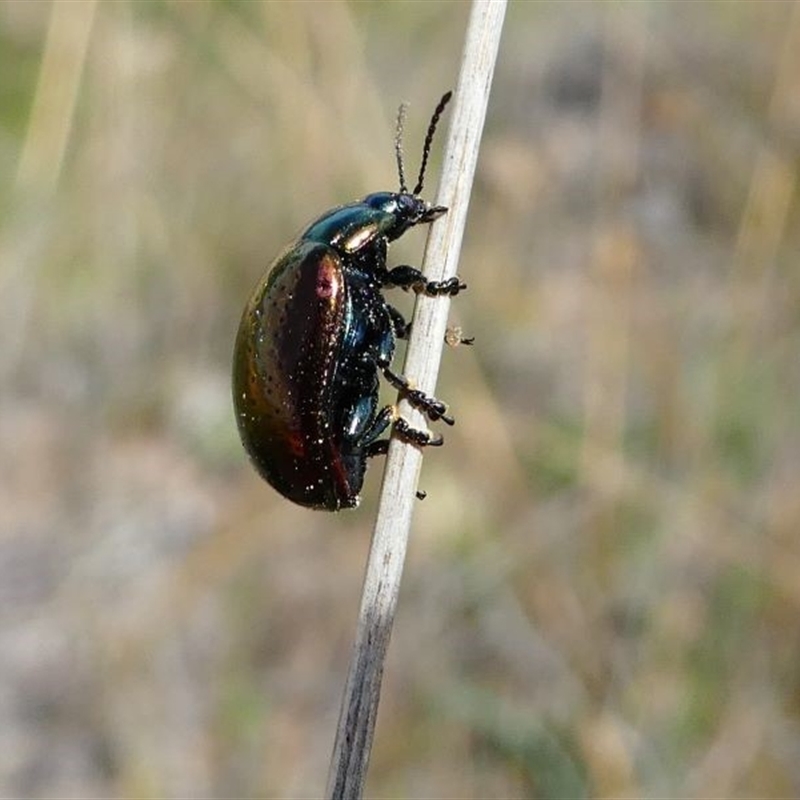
{"points": [[407, 277], [402, 329], [435, 409]]}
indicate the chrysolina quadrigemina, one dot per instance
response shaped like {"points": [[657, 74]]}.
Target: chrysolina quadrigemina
{"points": [[315, 334]]}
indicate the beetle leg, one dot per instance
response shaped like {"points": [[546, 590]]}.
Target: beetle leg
{"points": [[401, 328], [415, 435], [407, 277], [372, 445], [435, 409], [379, 447], [381, 422]]}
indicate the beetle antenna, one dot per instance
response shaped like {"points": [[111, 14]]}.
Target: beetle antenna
{"points": [[426, 149], [398, 146]]}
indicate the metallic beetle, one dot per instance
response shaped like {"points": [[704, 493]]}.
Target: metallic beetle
{"points": [[313, 338]]}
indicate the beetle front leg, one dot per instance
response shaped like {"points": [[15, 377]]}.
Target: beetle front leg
{"points": [[435, 409], [407, 277]]}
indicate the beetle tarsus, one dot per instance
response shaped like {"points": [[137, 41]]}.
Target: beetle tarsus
{"points": [[452, 286], [433, 408], [407, 277], [416, 436]]}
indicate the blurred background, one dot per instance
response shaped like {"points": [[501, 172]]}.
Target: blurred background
{"points": [[602, 592]]}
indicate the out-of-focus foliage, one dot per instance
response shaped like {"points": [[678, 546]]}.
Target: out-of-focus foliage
{"points": [[603, 586]]}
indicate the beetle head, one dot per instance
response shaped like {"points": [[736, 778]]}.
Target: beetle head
{"points": [[403, 210]]}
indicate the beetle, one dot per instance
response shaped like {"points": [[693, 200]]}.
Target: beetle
{"points": [[314, 337]]}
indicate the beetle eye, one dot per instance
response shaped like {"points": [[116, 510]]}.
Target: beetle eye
{"points": [[407, 204], [404, 205]]}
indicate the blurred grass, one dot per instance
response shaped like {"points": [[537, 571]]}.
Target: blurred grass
{"points": [[603, 586]]}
